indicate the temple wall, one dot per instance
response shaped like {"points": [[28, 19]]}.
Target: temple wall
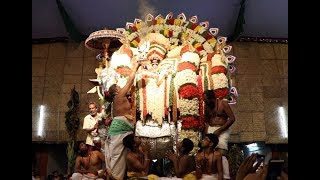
{"points": [[261, 79]]}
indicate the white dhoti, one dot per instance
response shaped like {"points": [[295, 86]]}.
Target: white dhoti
{"points": [[223, 138], [79, 176], [116, 152], [225, 166]]}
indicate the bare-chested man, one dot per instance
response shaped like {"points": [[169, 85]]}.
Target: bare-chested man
{"points": [[121, 126], [209, 161], [183, 163], [88, 164], [138, 157], [219, 118]]}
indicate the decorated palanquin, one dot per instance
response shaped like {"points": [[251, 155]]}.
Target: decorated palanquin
{"points": [[180, 59]]}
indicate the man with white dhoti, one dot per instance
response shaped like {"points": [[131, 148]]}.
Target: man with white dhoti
{"points": [[219, 118], [120, 127]]}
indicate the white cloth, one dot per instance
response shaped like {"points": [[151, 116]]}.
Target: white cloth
{"points": [[225, 165], [79, 176], [209, 177], [116, 153], [223, 138], [89, 123]]}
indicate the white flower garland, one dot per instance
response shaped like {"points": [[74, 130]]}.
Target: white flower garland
{"points": [[218, 60], [175, 52], [188, 107], [191, 57], [220, 80], [155, 104], [185, 76]]}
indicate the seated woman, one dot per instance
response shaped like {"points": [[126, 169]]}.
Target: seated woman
{"points": [[137, 158], [183, 163]]}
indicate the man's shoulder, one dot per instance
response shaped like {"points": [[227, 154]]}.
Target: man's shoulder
{"points": [[87, 116], [217, 153]]}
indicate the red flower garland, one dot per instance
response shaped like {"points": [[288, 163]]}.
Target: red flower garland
{"points": [[189, 122], [188, 91], [186, 65], [221, 93], [218, 69]]}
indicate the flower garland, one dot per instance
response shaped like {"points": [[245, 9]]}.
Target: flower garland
{"points": [[219, 78], [218, 69], [190, 122], [210, 81], [137, 92], [186, 65], [153, 92], [188, 107], [218, 60], [191, 57], [185, 76], [220, 81], [144, 99], [221, 93], [124, 71], [186, 81], [172, 89], [199, 35], [201, 105], [204, 77], [188, 91]]}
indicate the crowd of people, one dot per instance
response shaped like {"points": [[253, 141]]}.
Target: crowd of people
{"points": [[124, 156]]}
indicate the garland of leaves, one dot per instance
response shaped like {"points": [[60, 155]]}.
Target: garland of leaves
{"points": [[235, 157], [72, 124]]}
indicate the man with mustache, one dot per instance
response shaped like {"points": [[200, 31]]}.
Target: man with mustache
{"points": [[88, 164], [90, 124]]}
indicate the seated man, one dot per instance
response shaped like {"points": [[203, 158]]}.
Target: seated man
{"points": [[88, 165], [209, 161], [183, 163], [138, 157]]}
